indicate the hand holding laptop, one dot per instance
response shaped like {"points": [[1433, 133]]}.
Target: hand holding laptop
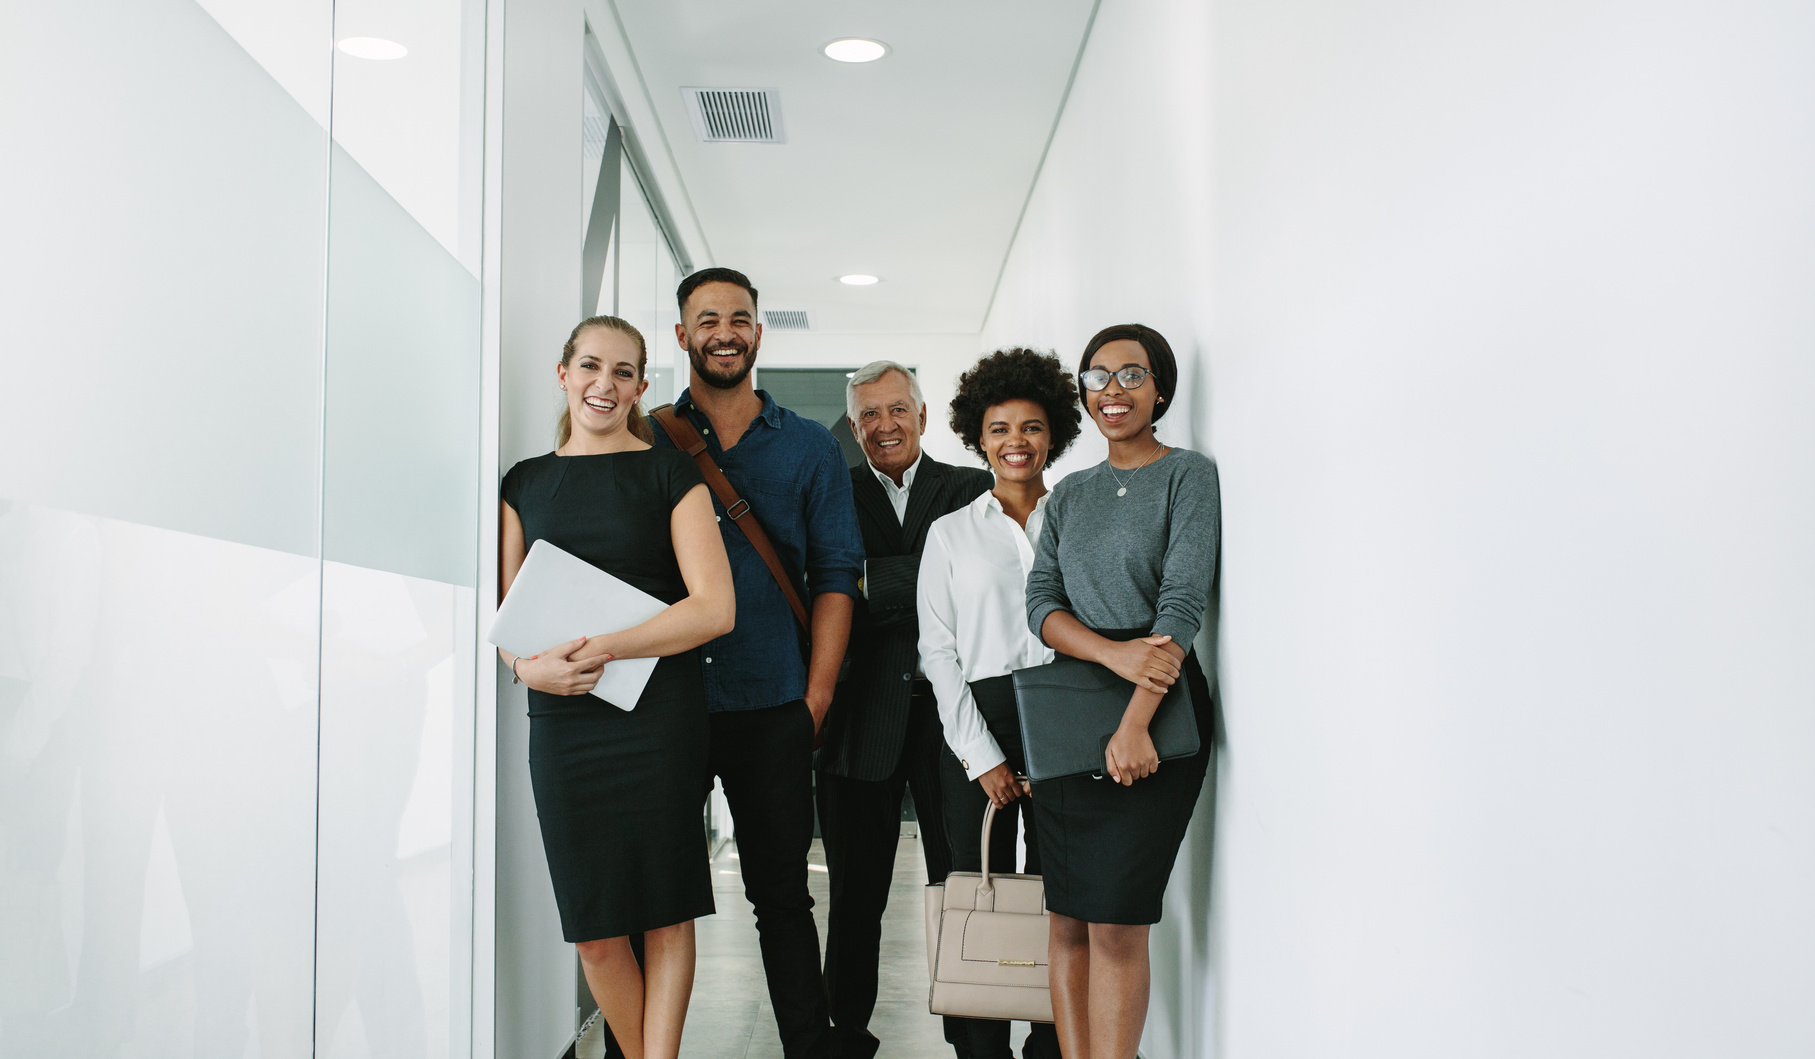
{"points": [[557, 672], [557, 596]]}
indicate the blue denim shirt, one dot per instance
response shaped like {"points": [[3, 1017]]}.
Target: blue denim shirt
{"points": [[793, 473]]}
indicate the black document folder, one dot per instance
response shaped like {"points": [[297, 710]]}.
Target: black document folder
{"points": [[1071, 708]]}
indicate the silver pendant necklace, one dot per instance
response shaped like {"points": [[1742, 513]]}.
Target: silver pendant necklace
{"points": [[1123, 491]]}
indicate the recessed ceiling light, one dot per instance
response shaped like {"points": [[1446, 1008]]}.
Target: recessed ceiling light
{"points": [[373, 48], [856, 50], [857, 279]]}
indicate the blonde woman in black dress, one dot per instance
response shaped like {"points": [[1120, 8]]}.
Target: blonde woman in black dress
{"points": [[619, 794]]}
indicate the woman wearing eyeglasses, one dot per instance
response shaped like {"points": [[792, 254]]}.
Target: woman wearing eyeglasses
{"points": [[1122, 576]]}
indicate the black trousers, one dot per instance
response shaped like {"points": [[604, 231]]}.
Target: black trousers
{"points": [[765, 758], [860, 823], [965, 804]]}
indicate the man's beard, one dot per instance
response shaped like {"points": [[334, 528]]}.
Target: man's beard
{"points": [[710, 369]]}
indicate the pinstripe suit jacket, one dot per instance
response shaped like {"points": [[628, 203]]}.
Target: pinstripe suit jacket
{"points": [[868, 722]]}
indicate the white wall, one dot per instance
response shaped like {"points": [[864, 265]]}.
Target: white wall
{"points": [[540, 297], [1500, 329]]}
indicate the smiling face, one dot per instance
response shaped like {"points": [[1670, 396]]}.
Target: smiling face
{"points": [[888, 424], [1016, 439], [602, 381], [1122, 413], [718, 329]]}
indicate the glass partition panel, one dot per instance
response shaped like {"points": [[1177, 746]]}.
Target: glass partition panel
{"points": [[161, 264], [399, 532]]}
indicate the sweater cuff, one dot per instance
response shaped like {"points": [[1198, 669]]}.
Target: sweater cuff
{"points": [[1181, 631], [1036, 618], [979, 756]]}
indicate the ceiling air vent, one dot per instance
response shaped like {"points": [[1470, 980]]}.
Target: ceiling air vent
{"points": [[787, 320], [735, 115]]}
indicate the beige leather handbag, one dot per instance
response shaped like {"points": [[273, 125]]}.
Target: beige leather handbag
{"points": [[986, 943]]}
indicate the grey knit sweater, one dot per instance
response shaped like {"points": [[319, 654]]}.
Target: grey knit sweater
{"points": [[1145, 560]]}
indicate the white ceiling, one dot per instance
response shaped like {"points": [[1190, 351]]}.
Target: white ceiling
{"points": [[913, 168]]}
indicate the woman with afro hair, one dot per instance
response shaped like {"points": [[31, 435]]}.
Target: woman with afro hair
{"points": [[1018, 409]]}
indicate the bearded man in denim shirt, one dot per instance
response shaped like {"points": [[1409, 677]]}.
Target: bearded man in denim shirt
{"points": [[765, 702]]}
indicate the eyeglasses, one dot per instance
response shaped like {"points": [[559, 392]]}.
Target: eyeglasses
{"points": [[1133, 377]]}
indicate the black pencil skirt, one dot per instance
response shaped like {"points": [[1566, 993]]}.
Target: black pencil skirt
{"points": [[1106, 850], [620, 797]]}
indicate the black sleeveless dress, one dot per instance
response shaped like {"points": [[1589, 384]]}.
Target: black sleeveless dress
{"points": [[620, 795]]}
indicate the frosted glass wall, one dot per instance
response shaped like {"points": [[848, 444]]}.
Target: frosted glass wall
{"points": [[238, 506], [399, 537]]}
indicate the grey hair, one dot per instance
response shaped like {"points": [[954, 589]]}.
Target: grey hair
{"points": [[869, 373]]}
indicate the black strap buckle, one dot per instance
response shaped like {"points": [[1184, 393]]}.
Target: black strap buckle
{"points": [[738, 510]]}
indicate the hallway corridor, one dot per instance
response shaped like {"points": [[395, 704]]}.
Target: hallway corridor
{"points": [[730, 1017], [1493, 319]]}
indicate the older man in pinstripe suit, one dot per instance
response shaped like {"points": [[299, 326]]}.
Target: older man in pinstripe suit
{"points": [[883, 733]]}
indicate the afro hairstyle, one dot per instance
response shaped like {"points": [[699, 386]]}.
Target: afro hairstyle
{"points": [[1017, 375]]}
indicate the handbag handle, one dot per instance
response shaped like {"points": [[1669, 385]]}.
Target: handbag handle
{"points": [[989, 819]]}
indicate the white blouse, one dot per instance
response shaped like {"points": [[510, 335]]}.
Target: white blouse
{"points": [[973, 616]]}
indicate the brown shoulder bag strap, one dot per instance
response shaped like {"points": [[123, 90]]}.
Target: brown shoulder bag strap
{"points": [[688, 440]]}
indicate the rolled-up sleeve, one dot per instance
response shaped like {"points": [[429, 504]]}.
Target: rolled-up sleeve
{"points": [[1189, 568], [834, 542], [965, 730], [1046, 582]]}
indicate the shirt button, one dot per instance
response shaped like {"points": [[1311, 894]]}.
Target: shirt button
{"points": [[705, 430], [966, 763], [720, 518], [907, 676], [708, 661]]}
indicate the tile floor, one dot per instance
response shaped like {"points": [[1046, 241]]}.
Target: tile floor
{"points": [[730, 1017]]}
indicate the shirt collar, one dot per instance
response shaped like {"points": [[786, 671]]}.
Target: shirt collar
{"points": [[907, 477], [771, 413], [989, 502]]}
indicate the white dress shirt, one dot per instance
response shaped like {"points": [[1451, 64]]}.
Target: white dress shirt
{"points": [[898, 494], [973, 617], [898, 499]]}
